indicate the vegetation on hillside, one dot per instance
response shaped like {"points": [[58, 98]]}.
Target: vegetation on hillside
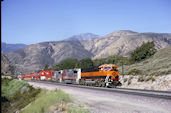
{"points": [[71, 63], [85, 62], [145, 51], [143, 60], [55, 101], [113, 59], [158, 64], [16, 95]]}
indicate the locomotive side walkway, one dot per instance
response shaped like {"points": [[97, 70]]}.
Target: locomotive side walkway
{"points": [[100, 101]]}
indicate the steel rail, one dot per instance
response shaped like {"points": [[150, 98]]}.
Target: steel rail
{"points": [[140, 92]]}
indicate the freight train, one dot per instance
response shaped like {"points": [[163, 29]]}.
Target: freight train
{"points": [[106, 75]]}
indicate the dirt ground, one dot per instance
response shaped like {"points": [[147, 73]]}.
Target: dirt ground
{"points": [[110, 102]]}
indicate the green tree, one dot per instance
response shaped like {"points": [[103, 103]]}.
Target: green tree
{"points": [[46, 67], [68, 63], [113, 59], [85, 62], [143, 52]]}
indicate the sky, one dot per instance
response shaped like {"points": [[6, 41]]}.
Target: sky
{"points": [[34, 21]]}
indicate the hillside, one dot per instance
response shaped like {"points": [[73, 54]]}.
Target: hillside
{"points": [[36, 56], [153, 73], [159, 64], [6, 67], [123, 42]]}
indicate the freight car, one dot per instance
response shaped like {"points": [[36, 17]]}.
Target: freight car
{"points": [[106, 75]]}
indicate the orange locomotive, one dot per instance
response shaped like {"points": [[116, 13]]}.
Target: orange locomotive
{"points": [[104, 75]]}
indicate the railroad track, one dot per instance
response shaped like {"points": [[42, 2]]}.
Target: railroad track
{"points": [[149, 93]]}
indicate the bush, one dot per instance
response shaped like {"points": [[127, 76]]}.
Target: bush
{"points": [[144, 51], [125, 79], [150, 78], [141, 79], [113, 59], [155, 74], [86, 62], [69, 63], [135, 72]]}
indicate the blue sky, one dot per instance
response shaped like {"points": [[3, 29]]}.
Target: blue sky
{"points": [[34, 21]]}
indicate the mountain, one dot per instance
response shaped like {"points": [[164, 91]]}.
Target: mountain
{"points": [[36, 56], [123, 42], [6, 67], [5, 48], [84, 36]]}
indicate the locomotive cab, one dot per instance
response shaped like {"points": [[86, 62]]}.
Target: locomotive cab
{"points": [[112, 74]]}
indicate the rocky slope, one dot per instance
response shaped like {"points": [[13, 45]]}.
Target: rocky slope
{"points": [[36, 56], [153, 73], [161, 83], [123, 42], [6, 67]]}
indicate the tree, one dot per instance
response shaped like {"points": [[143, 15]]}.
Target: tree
{"points": [[86, 62], [46, 67], [145, 51], [68, 63]]}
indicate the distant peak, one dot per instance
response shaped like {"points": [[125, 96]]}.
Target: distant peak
{"points": [[82, 36], [126, 31], [122, 32]]}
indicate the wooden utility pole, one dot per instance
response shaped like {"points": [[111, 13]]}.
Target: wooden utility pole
{"points": [[122, 67]]}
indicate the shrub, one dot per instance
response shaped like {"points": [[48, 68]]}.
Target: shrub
{"points": [[134, 72], [150, 78], [85, 62], [125, 79], [68, 63], [155, 74], [141, 79], [144, 51], [129, 80]]}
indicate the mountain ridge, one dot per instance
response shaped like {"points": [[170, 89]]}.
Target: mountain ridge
{"points": [[36, 56], [5, 47]]}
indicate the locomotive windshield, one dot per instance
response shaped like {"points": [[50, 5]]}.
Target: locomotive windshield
{"points": [[107, 68], [115, 69]]}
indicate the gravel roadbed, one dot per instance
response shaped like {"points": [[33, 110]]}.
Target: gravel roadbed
{"points": [[112, 102]]}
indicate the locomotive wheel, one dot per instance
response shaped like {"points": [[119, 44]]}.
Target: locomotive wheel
{"points": [[97, 83], [82, 82], [103, 83], [100, 83]]}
